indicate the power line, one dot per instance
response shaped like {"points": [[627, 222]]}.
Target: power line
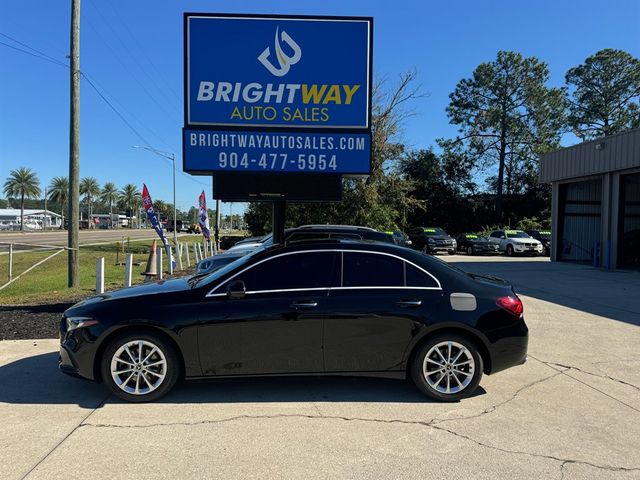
{"points": [[43, 56], [50, 60]]}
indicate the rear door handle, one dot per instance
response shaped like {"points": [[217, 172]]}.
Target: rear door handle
{"points": [[304, 304], [409, 303]]}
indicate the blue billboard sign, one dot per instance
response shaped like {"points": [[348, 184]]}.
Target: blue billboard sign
{"points": [[261, 151], [269, 71], [277, 94]]}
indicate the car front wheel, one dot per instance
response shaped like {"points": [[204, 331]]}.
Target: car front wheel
{"points": [[510, 250], [140, 367], [469, 250], [447, 368]]}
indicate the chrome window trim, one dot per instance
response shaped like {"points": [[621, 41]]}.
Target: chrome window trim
{"points": [[342, 252]]}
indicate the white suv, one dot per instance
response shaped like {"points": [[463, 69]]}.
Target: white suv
{"points": [[516, 241]]}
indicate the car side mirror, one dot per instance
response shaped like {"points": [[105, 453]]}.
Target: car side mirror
{"points": [[236, 290]]}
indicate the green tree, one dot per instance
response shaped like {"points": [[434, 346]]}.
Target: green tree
{"points": [[380, 200], [505, 113], [109, 195], [23, 183], [90, 189], [59, 193], [130, 197], [604, 94]]}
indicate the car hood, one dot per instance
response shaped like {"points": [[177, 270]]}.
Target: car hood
{"points": [[440, 237], [162, 286], [523, 240]]}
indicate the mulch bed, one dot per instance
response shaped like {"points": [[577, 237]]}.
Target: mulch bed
{"points": [[22, 322]]}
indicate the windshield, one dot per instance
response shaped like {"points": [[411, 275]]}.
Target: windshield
{"points": [[210, 277], [545, 234], [435, 232], [516, 234]]}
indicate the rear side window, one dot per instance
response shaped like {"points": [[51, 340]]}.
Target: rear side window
{"points": [[371, 270], [295, 271], [417, 278]]}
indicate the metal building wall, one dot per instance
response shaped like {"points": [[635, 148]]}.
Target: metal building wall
{"points": [[617, 152]]}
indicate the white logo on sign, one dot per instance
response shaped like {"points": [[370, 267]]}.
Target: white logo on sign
{"points": [[285, 61]]}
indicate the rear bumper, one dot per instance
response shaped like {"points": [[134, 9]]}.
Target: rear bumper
{"points": [[508, 346]]}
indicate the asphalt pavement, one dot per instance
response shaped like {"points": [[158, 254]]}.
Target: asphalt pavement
{"points": [[571, 412], [59, 237]]}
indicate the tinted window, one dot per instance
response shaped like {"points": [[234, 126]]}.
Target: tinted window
{"points": [[517, 234], [301, 270], [371, 270], [417, 278]]}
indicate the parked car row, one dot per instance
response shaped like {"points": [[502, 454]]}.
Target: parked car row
{"points": [[431, 240]]}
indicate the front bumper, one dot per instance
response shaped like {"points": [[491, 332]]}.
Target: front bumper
{"points": [[77, 352]]}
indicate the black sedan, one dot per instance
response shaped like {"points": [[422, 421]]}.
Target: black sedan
{"points": [[475, 244], [334, 307]]}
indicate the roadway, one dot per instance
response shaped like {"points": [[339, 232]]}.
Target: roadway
{"points": [[59, 237]]}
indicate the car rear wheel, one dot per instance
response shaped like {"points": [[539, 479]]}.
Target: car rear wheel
{"points": [[469, 250], [510, 250], [447, 368], [140, 367], [452, 252]]}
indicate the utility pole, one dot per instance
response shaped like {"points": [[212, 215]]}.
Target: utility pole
{"points": [[44, 225], [74, 148]]}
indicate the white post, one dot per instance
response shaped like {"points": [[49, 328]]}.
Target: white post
{"points": [[195, 252], [200, 250], [128, 267], [204, 248], [214, 247], [186, 250], [179, 255], [159, 262], [170, 261], [10, 261], [100, 275]]}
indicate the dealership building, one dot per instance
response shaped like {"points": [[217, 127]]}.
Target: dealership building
{"points": [[596, 201]]}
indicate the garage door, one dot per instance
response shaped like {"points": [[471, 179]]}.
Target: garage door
{"points": [[580, 224], [629, 233]]}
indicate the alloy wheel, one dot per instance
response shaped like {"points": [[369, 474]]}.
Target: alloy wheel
{"points": [[448, 367], [138, 367]]}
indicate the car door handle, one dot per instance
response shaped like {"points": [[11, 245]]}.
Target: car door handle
{"points": [[304, 304], [409, 303]]}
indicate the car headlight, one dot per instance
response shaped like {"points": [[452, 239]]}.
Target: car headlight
{"points": [[74, 323], [431, 240], [454, 242]]}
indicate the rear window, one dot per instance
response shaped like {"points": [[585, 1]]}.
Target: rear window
{"points": [[417, 278]]}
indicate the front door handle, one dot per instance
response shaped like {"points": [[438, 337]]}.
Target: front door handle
{"points": [[304, 304], [409, 303]]}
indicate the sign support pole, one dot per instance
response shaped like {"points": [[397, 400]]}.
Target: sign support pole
{"points": [[279, 210]]}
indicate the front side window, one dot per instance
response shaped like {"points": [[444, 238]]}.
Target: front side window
{"points": [[293, 271]]}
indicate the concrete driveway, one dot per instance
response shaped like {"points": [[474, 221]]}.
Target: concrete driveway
{"points": [[572, 411]]}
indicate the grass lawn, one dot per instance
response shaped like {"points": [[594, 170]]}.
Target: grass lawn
{"points": [[48, 282]]}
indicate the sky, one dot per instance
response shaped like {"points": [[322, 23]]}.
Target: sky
{"points": [[132, 51]]}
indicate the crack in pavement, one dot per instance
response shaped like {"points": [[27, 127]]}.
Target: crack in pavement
{"points": [[75, 429], [567, 368], [493, 408], [608, 377], [429, 424]]}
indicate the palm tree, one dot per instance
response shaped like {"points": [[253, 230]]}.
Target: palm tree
{"points": [[90, 188], [59, 192], [109, 195], [130, 196], [22, 182]]}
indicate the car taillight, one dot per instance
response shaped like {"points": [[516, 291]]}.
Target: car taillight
{"points": [[511, 304]]}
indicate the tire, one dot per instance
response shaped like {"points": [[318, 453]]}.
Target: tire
{"points": [[509, 250], [155, 381], [451, 252], [469, 250], [468, 375]]}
